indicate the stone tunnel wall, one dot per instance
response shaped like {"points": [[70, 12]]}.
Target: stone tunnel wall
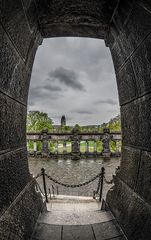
{"points": [[19, 38], [130, 44]]}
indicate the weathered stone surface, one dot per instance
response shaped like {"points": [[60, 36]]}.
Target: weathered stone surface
{"points": [[14, 76], [136, 117], [31, 14], [77, 18], [77, 232], [126, 83], [144, 177], [131, 211], [142, 66], [12, 124], [130, 166], [15, 23], [137, 27], [106, 230], [46, 231], [19, 219], [14, 174]]}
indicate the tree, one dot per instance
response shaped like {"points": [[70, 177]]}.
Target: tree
{"points": [[37, 121], [77, 126]]}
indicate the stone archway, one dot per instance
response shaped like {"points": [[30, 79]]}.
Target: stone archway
{"points": [[126, 28]]}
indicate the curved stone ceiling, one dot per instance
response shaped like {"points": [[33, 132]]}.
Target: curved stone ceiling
{"points": [[76, 18]]}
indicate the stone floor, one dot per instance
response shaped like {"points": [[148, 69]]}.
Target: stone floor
{"points": [[76, 218]]}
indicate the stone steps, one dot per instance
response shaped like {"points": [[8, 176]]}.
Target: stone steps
{"points": [[76, 219]]}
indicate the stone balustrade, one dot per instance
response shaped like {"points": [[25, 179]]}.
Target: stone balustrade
{"points": [[75, 143]]}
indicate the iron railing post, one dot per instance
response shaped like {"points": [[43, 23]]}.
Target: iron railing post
{"points": [[44, 183], [102, 178]]}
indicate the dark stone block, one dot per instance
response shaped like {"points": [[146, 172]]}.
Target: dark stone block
{"points": [[12, 124], [46, 231], [16, 25], [144, 177], [131, 211], [18, 221], [141, 61], [14, 77], [136, 118], [131, 28], [78, 232], [14, 174], [105, 230], [126, 83], [130, 166], [118, 54], [137, 27]]}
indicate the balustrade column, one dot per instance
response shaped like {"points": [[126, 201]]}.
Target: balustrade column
{"points": [[45, 148], [87, 146], [28, 146], [117, 147], [95, 147], [106, 153], [56, 147], [35, 146], [64, 147]]}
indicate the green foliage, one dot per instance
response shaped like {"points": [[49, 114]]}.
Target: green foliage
{"points": [[77, 126], [37, 121], [114, 124]]}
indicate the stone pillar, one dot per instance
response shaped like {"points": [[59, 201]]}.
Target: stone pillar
{"points": [[95, 147], [75, 144], [64, 147], [106, 153], [56, 147], [87, 146], [35, 147], [118, 151], [28, 146], [45, 148]]}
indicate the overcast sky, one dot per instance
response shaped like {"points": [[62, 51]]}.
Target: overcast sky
{"points": [[74, 77]]}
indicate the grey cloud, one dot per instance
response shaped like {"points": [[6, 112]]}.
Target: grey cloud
{"points": [[52, 88], [68, 77], [83, 112], [40, 93], [106, 101]]}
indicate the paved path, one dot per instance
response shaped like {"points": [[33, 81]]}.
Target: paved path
{"points": [[76, 223]]}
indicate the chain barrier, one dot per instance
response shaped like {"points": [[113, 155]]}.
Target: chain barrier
{"points": [[38, 175], [100, 175], [73, 185]]}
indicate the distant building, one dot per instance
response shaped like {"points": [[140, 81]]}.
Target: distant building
{"points": [[63, 121]]}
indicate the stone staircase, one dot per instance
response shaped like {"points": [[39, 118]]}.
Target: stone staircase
{"points": [[76, 218]]}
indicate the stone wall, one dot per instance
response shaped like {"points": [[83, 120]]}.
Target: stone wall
{"points": [[19, 39], [130, 43]]}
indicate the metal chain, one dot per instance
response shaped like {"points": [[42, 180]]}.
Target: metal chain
{"points": [[73, 186], [38, 175]]}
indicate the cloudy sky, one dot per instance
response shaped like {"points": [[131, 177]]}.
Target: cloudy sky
{"points": [[74, 77]]}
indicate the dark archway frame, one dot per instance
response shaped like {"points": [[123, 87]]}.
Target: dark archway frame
{"points": [[126, 28]]}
